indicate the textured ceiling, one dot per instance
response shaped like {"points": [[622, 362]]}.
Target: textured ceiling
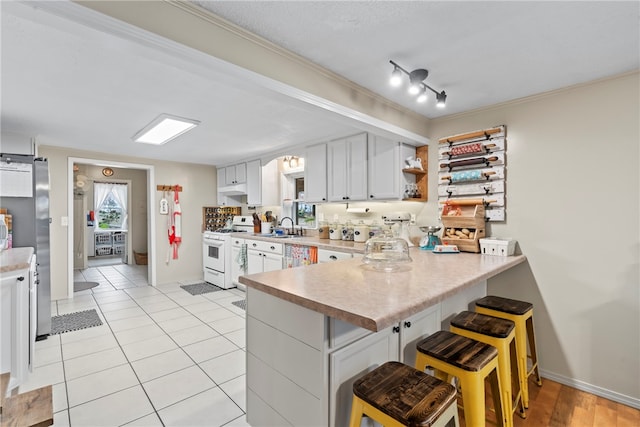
{"points": [[480, 52], [74, 85]]}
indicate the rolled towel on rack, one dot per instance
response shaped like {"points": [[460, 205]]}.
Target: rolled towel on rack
{"points": [[358, 210]]}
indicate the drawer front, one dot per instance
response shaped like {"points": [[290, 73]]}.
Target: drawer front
{"points": [[259, 245], [214, 277], [342, 333], [325, 255]]}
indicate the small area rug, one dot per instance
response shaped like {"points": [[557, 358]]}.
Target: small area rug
{"points": [[242, 304], [74, 321], [201, 288], [83, 286]]}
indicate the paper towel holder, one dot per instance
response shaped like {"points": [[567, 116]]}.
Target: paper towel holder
{"points": [[357, 210]]}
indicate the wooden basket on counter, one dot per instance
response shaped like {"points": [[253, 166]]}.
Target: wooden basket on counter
{"points": [[463, 224]]}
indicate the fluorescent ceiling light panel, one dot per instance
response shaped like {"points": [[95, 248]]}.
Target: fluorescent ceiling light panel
{"points": [[164, 128]]}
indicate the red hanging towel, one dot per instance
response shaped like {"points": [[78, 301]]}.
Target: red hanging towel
{"points": [[177, 223]]}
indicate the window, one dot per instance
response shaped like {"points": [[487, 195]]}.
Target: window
{"points": [[111, 205], [305, 214]]}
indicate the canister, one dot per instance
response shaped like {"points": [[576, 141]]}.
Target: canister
{"points": [[323, 230], [347, 231], [335, 231], [360, 233]]}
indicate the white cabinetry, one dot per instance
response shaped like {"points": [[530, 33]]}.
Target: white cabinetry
{"points": [[385, 160], [18, 310], [347, 169], [315, 173], [263, 256], [235, 174], [262, 183], [298, 358]]}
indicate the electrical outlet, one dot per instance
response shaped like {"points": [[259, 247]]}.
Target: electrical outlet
{"points": [[64, 221]]}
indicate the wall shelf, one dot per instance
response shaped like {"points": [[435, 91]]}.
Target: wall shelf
{"points": [[421, 175]]}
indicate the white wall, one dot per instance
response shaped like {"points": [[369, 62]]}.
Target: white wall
{"points": [[573, 205], [198, 182]]}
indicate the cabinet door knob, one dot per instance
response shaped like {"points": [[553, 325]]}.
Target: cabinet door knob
{"points": [[407, 324], [255, 244], [273, 248], [396, 329], [324, 199], [371, 196]]}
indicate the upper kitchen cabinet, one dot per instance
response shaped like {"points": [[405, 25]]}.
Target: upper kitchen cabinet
{"points": [[347, 169], [315, 174], [385, 159], [235, 174], [262, 183]]}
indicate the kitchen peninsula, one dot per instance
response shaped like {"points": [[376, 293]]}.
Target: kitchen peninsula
{"points": [[312, 331]]}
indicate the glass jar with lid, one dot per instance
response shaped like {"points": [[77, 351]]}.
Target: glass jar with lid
{"points": [[347, 231]]}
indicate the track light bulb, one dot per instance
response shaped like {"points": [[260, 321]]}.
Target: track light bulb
{"points": [[396, 77], [422, 97], [414, 88], [441, 99]]}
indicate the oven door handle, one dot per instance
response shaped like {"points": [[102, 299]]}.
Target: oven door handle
{"points": [[217, 243]]}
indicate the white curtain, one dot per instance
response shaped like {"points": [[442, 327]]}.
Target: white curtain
{"points": [[102, 190], [119, 192]]}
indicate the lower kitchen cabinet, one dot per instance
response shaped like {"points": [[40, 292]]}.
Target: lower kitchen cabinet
{"points": [[298, 358], [263, 256]]}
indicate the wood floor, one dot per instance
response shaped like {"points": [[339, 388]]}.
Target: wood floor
{"points": [[557, 405]]}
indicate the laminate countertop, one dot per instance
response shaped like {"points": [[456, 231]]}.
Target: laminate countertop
{"points": [[15, 259], [350, 291]]}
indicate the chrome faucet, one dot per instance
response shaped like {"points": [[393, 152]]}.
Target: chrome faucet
{"points": [[292, 226]]}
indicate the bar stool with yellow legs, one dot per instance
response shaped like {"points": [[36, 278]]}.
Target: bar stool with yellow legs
{"points": [[501, 334], [471, 362], [520, 313], [395, 394]]}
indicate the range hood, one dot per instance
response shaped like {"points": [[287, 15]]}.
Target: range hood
{"points": [[233, 190]]}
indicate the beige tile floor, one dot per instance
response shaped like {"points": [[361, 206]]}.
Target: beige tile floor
{"points": [[162, 357]]}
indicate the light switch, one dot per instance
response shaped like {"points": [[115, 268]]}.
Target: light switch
{"points": [[64, 221]]}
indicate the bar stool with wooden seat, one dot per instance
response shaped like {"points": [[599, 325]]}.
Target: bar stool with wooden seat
{"points": [[520, 313], [471, 362], [501, 334], [395, 394]]}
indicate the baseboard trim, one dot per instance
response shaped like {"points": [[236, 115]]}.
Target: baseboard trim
{"points": [[593, 389]]}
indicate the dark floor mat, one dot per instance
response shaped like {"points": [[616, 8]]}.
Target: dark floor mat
{"points": [[74, 321], [83, 286], [242, 304], [201, 288]]}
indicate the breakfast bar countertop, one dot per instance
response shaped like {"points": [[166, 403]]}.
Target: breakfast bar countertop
{"points": [[352, 292]]}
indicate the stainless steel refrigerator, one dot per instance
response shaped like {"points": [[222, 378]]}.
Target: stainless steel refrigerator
{"points": [[30, 223]]}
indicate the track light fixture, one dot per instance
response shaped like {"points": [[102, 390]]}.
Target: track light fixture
{"points": [[417, 86]]}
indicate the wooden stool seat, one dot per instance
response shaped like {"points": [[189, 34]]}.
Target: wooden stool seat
{"points": [[499, 333], [471, 362], [505, 305], [395, 394], [521, 313]]}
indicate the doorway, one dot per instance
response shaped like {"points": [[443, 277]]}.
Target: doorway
{"points": [[79, 213]]}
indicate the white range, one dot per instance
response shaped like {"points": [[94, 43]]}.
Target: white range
{"points": [[216, 252]]}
